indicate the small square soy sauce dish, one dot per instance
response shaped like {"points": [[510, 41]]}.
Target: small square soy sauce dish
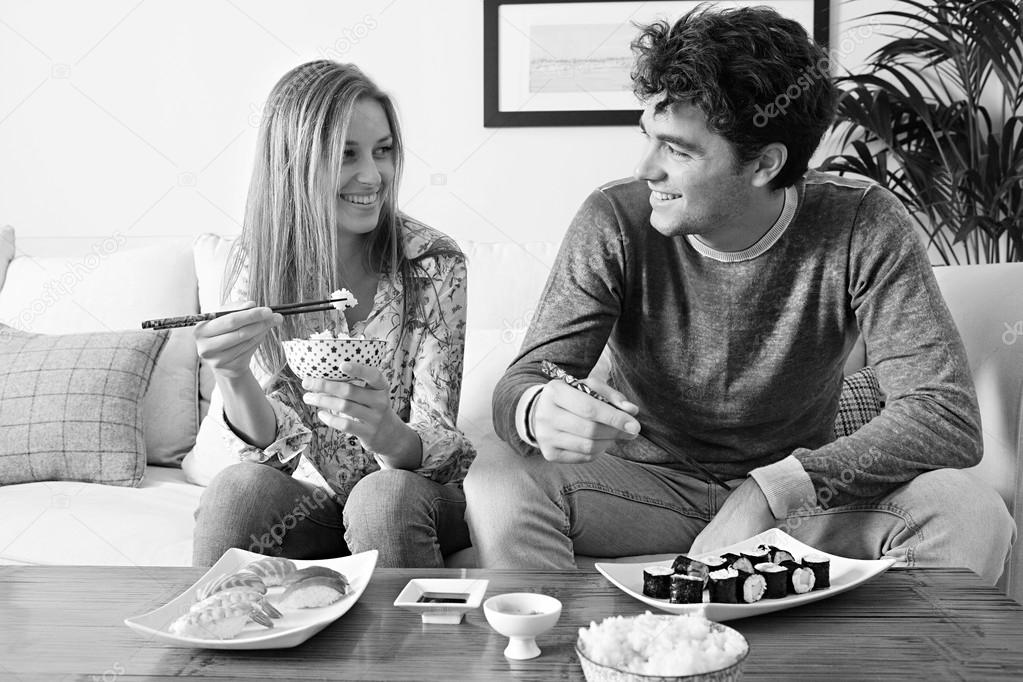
{"points": [[442, 600]]}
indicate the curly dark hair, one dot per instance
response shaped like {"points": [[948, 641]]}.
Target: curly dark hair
{"points": [[757, 76]]}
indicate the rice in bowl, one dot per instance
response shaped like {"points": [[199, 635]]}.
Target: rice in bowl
{"points": [[661, 646]]}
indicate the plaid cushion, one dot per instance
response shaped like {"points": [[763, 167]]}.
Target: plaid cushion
{"points": [[861, 400], [71, 405]]}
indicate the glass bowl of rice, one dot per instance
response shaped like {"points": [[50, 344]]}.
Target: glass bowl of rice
{"points": [[661, 648]]}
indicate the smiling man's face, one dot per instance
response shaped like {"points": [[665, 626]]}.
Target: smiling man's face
{"points": [[696, 185]]}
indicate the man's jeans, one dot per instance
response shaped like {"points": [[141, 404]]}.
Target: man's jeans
{"points": [[525, 512], [412, 520]]}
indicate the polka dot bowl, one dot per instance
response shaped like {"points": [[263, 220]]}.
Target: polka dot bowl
{"points": [[322, 358]]}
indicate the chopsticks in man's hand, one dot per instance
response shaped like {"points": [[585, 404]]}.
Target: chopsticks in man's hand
{"points": [[554, 372], [283, 309]]}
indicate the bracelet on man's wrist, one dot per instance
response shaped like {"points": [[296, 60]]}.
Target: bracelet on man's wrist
{"points": [[530, 437]]}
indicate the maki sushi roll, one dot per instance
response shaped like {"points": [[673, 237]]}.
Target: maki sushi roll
{"points": [[685, 589], [742, 564], [758, 556], [778, 555], [821, 567], [800, 578], [689, 566], [776, 578], [721, 585], [730, 557], [657, 581], [715, 563], [749, 587], [682, 563]]}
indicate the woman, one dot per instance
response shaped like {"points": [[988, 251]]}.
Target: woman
{"points": [[323, 468]]}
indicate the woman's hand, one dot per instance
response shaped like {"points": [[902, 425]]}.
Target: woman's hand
{"points": [[365, 412], [227, 343]]}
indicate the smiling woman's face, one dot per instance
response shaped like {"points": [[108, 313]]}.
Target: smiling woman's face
{"points": [[367, 170]]}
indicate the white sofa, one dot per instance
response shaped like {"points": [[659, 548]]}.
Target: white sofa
{"points": [[85, 523]]}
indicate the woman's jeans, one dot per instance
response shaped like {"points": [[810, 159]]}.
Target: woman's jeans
{"points": [[411, 520], [525, 512]]}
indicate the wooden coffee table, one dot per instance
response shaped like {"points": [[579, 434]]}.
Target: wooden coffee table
{"points": [[67, 623]]}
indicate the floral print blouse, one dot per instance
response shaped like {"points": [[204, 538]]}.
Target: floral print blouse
{"points": [[425, 376]]}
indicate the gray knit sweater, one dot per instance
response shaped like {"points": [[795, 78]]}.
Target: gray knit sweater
{"points": [[739, 364]]}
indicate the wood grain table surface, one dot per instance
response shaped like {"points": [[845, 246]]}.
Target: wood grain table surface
{"points": [[66, 623]]}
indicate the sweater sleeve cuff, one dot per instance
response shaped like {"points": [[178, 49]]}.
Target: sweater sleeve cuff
{"points": [[520, 414], [786, 485]]}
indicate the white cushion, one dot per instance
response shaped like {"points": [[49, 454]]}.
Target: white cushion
{"points": [[488, 352], [6, 250], [504, 283], [109, 287], [986, 305], [505, 280], [210, 252]]}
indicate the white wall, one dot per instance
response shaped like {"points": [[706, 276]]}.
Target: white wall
{"points": [[138, 117]]}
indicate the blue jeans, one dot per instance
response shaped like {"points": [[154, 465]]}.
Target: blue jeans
{"points": [[411, 520], [525, 512]]}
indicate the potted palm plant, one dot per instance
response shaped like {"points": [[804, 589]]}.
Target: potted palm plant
{"points": [[936, 117]]}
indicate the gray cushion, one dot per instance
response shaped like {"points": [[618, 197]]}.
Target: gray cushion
{"points": [[172, 402], [71, 405]]}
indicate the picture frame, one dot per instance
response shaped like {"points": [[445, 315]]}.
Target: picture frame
{"points": [[544, 66]]}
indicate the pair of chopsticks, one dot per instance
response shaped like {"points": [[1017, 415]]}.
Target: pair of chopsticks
{"points": [[554, 372], [283, 309]]}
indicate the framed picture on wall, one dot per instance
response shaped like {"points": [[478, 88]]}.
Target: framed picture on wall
{"points": [[567, 63]]}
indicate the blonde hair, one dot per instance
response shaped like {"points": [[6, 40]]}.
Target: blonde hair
{"points": [[288, 243]]}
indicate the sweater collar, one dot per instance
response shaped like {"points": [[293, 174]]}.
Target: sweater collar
{"points": [[788, 211]]}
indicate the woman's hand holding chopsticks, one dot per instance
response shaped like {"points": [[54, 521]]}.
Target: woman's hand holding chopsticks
{"points": [[227, 343]]}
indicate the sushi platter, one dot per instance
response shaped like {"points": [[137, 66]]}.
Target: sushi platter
{"points": [[294, 601], [792, 573]]}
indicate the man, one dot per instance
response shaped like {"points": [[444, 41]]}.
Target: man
{"points": [[729, 284]]}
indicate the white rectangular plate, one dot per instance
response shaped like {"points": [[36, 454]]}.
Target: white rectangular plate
{"points": [[446, 613], [845, 575], [293, 628]]}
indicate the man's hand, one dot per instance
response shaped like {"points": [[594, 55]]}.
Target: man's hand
{"points": [[570, 426], [744, 514]]}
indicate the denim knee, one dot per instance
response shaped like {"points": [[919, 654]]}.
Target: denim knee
{"points": [[229, 512], [238, 483], [382, 503], [967, 517], [494, 481], [386, 495]]}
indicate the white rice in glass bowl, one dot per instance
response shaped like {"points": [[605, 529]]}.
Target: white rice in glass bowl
{"points": [[660, 647]]}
